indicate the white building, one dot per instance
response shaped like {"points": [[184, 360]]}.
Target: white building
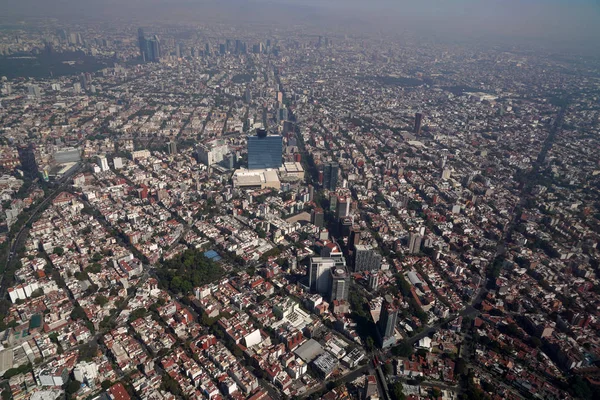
{"points": [[118, 162], [102, 163], [212, 153]]}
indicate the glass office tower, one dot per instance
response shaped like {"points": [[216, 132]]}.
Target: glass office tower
{"points": [[264, 151]]}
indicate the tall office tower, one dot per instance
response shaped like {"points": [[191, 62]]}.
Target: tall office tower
{"points": [[374, 282], [153, 49], [142, 44], [172, 147], [103, 163], [319, 277], [248, 96], [311, 193], [264, 151], [340, 284], [386, 325], [366, 258], [418, 123], [414, 242], [318, 217], [28, 161], [330, 175], [354, 239], [343, 207]]}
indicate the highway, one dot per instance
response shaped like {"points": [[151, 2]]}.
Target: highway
{"points": [[34, 214]]}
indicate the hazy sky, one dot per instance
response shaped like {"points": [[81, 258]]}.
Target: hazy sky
{"points": [[557, 22]]}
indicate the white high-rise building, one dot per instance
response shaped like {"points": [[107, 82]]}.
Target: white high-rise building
{"points": [[118, 162], [212, 153], [103, 163]]}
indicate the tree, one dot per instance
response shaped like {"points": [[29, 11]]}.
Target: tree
{"points": [[59, 251], [72, 387], [388, 369], [396, 392], [78, 313], [403, 349], [101, 300]]}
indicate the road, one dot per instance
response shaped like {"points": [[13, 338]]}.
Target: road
{"points": [[19, 236]]}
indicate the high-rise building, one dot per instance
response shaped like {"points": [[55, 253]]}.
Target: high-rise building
{"points": [[264, 151], [118, 162], [386, 325], [34, 91], [319, 275], [212, 152], [354, 239], [142, 44], [28, 161], [149, 48], [172, 147], [330, 175], [418, 123], [374, 281], [103, 163], [343, 207], [414, 242], [318, 217], [446, 173], [366, 258], [340, 283]]}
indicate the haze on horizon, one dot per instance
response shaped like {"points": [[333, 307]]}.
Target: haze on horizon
{"points": [[560, 24]]}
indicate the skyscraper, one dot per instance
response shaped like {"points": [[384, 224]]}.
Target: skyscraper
{"points": [[318, 217], [387, 323], [142, 44], [414, 242], [340, 284], [172, 147], [418, 123], [264, 151], [149, 48], [28, 161], [330, 175]]}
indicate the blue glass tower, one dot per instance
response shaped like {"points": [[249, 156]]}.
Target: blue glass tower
{"points": [[264, 151]]}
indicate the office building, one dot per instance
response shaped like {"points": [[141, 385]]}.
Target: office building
{"points": [[354, 238], [34, 91], [330, 175], [366, 258], [103, 163], [28, 161], [374, 281], [317, 217], [418, 123], [386, 326], [149, 48], [340, 284], [212, 152], [118, 162], [319, 274], [264, 151], [414, 242], [172, 147], [343, 207], [446, 173]]}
